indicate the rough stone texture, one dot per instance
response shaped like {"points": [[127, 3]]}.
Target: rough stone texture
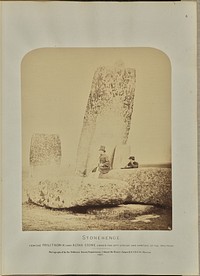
{"points": [[108, 114], [45, 149], [76, 191], [143, 185], [45, 155], [146, 185]]}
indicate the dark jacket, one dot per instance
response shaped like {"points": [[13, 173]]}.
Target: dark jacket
{"points": [[104, 163]]}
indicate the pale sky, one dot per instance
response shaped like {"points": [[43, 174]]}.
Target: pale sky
{"points": [[56, 83]]}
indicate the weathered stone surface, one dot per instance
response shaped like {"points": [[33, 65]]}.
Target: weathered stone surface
{"points": [[146, 185], [45, 155], [108, 114], [77, 191], [45, 149], [143, 185]]}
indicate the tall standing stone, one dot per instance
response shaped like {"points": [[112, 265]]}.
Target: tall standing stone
{"points": [[108, 114]]}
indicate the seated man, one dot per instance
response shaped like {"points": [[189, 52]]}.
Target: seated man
{"points": [[131, 164], [103, 166], [104, 162]]}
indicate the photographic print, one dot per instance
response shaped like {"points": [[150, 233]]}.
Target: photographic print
{"points": [[96, 139], [99, 138]]}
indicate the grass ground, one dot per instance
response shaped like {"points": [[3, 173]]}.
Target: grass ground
{"points": [[123, 217]]}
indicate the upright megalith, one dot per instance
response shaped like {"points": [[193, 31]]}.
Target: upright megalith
{"points": [[45, 153], [108, 114]]}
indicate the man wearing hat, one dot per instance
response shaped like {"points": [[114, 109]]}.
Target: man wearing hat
{"points": [[131, 164], [104, 162]]}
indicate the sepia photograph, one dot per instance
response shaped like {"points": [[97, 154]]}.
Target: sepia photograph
{"points": [[96, 139], [99, 138]]}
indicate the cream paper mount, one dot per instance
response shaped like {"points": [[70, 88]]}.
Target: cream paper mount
{"points": [[85, 86]]}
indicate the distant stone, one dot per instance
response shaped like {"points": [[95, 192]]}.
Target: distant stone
{"points": [[45, 149], [45, 154], [146, 185]]}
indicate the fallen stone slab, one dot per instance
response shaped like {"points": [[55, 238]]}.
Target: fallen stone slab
{"points": [[146, 185], [143, 185], [76, 191]]}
